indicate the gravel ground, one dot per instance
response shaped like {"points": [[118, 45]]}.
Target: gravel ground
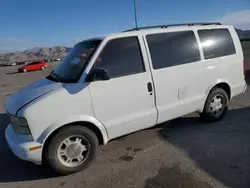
{"points": [[180, 153]]}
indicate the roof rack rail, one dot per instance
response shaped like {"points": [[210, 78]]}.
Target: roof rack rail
{"points": [[173, 25]]}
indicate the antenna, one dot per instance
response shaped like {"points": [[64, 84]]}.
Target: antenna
{"points": [[135, 11]]}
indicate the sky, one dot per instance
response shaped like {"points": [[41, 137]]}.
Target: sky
{"points": [[45, 23]]}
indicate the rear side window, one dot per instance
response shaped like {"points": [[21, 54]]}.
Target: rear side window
{"points": [[171, 49], [121, 57], [34, 63], [216, 43]]}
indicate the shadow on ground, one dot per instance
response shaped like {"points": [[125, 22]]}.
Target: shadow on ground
{"points": [[13, 169], [176, 178], [16, 72], [247, 78], [220, 149]]}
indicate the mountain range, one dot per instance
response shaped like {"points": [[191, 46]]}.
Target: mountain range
{"points": [[243, 34], [34, 54], [58, 52]]}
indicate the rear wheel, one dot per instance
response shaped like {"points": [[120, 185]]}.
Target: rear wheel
{"points": [[72, 149], [216, 105]]}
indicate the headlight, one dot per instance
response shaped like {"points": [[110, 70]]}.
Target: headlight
{"points": [[20, 125]]}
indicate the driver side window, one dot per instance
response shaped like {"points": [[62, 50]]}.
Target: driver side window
{"points": [[121, 57]]}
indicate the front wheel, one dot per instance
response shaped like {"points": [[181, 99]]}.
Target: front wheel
{"points": [[72, 149], [216, 105], [42, 68]]}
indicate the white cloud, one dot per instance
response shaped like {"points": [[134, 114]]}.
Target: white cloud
{"points": [[239, 19]]}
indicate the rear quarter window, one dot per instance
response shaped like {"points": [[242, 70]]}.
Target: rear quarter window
{"points": [[216, 43]]}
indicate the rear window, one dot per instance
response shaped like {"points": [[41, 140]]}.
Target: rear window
{"points": [[216, 43], [172, 49]]}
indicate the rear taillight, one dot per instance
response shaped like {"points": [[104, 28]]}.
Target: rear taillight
{"points": [[244, 67]]}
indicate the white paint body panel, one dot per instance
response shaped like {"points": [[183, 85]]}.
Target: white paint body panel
{"points": [[70, 103], [29, 93], [122, 105], [124, 109]]}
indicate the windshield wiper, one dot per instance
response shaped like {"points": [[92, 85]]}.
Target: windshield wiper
{"points": [[54, 76], [57, 76]]}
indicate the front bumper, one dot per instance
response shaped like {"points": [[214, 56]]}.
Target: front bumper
{"points": [[20, 145]]}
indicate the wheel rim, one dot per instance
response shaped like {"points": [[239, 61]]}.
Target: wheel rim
{"points": [[216, 105], [73, 151], [42, 68], [24, 70]]}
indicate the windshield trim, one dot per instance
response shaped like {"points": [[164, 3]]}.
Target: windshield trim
{"points": [[56, 78], [90, 57]]}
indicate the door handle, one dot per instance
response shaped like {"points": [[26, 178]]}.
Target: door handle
{"points": [[150, 87]]}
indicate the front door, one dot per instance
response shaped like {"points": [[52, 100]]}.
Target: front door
{"points": [[124, 103]]}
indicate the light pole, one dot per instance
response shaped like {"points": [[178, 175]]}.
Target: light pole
{"points": [[135, 11]]}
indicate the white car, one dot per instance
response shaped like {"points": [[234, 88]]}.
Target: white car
{"points": [[117, 84]]}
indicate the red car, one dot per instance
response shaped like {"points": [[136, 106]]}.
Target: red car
{"points": [[38, 65]]}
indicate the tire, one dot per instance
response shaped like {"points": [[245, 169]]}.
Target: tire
{"points": [[42, 68], [25, 70], [58, 162], [208, 114]]}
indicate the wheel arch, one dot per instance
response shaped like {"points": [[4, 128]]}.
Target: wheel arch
{"points": [[99, 132], [220, 84], [225, 86]]}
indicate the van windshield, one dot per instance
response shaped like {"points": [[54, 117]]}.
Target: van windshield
{"points": [[71, 68]]}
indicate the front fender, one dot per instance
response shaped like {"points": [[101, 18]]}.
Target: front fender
{"points": [[71, 119]]}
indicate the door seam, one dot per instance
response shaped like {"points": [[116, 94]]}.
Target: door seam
{"points": [[152, 78]]}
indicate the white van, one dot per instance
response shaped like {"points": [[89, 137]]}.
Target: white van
{"points": [[113, 85]]}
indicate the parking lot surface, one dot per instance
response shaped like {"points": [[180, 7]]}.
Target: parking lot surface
{"points": [[180, 153]]}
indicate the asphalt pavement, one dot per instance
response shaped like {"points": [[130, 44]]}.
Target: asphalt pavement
{"points": [[182, 153]]}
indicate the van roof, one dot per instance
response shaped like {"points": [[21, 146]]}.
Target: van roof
{"points": [[174, 25], [159, 27]]}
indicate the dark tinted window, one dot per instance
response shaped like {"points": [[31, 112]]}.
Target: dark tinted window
{"points": [[216, 43], [171, 49], [33, 63], [121, 57]]}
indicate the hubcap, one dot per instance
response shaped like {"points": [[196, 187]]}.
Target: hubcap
{"points": [[216, 106], [73, 151]]}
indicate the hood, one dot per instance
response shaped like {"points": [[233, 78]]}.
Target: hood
{"points": [[29, 93]]}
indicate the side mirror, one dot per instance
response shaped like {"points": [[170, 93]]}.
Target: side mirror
{"points": [[98, 74]]}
